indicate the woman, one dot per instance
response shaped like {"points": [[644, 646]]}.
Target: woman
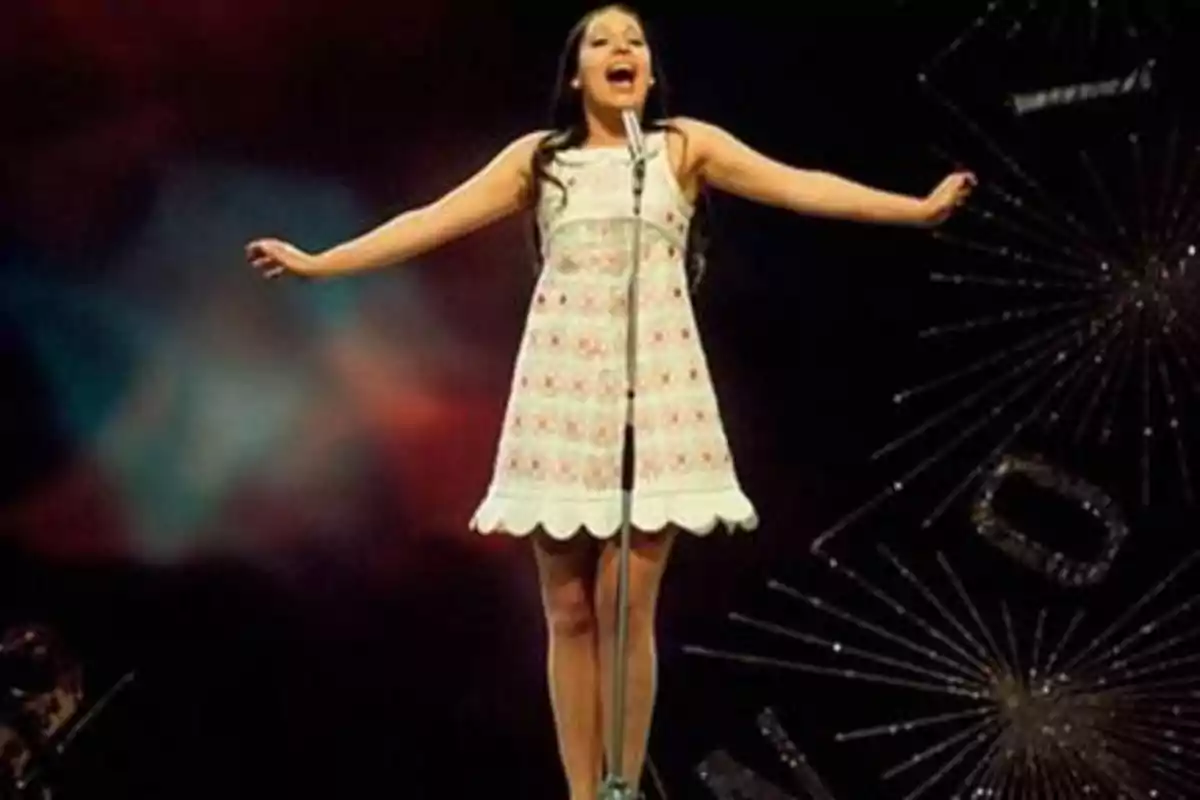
{"points": [[558, 470]]}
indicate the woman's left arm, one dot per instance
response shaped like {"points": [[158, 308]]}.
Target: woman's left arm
{"points": [[725, 163]]}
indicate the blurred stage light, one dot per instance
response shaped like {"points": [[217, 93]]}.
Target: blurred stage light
{"points": [[194, 387]]}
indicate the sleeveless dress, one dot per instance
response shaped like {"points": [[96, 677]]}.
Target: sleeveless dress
{"points": [[558, 465]]}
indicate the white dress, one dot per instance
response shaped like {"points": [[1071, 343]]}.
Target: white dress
{"points": [[559, 462]]}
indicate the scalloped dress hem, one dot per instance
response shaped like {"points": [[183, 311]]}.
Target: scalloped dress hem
{"points": [[697, 513]]}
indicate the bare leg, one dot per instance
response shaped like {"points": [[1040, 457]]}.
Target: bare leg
{"points": [[647, 563], [566, 571]]}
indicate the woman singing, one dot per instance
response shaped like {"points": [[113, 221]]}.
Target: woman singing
{"points": [[557, 474]]}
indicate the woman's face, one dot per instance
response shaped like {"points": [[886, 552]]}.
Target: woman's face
{"points": [[614, 62]]}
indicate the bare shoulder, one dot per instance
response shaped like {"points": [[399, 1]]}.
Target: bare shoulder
{"points": [[692, 126], [532, 139], [695, 129], [514, 163], [522, 148], [694, 140]]}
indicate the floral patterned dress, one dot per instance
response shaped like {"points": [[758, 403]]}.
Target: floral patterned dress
{"points": [[558, 468]]}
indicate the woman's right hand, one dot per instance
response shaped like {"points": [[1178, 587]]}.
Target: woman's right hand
{"points": [[274, 258]]}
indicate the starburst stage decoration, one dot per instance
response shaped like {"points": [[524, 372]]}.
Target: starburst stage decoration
{"points": [[1082, 25], [1008, 711], [1097, 342], [1074, 268]]}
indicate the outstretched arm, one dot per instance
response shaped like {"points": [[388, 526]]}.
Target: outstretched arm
{"points": [[498, 190], [724, 162]]}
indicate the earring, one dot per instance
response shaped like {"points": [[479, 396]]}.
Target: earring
{"points": [[575, 83]]}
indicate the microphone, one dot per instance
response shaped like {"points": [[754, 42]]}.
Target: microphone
{"points": [[633, 134], [637, 153]]}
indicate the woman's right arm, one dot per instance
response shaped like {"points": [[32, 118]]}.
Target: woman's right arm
{"points": [[498, 190]]}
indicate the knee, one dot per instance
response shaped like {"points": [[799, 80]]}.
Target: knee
{"points": [[641, 610], [570, 612]]}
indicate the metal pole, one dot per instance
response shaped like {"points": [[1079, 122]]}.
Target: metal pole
{"points": [[615, 787]]}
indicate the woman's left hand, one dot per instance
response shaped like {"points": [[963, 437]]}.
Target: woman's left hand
{"points": [[947, 197]]}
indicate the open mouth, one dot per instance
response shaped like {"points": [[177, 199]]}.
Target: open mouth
{"points": [[621, 76]]}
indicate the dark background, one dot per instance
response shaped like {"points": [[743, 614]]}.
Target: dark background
{"points": [[256, 495]]}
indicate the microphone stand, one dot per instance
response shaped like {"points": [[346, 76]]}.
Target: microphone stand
{"points": [[615, 787]]}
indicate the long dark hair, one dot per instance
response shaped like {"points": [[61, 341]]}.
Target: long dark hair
{"points": [[568, 129]]}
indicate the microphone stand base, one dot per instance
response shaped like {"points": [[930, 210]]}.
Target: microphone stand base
{"points": [[615, 788]]}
